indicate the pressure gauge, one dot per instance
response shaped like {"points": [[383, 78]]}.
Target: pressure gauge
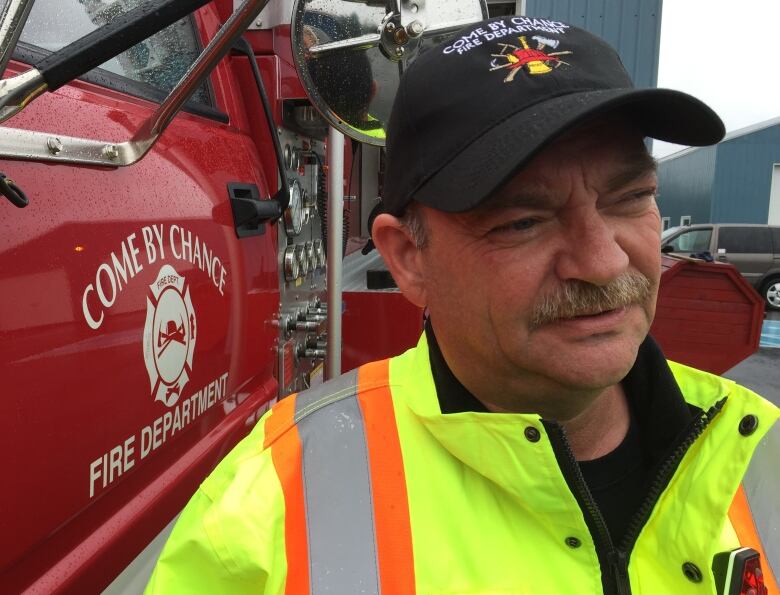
{"points": [[310, 255], [303, 262], [293, 216], [319, 251], [305, 207], [291, 269]]}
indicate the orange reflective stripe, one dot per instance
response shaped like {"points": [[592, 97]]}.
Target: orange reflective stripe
{"points": [[742, 520], [281, 418], [388, 483], [285, 443]]}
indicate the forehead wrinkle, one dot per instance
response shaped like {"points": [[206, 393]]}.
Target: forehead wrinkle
{"points": [[635, 166], [535, 196], [537, 184], [531, 187]]}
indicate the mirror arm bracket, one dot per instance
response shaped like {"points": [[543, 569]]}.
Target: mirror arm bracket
{"points": [[12, 19], [217, 48], [18, 91]]}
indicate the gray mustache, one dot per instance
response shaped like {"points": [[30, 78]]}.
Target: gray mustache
{"points": [[580, 298]]}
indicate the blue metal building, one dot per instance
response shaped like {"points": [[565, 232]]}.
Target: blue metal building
{"points": [[736, 181], [632, 27]]}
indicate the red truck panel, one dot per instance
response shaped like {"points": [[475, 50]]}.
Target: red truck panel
{"points": [[135, 331], [377, 325]]}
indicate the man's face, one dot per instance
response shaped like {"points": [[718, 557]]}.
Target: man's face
{"points": [[581, 215]]}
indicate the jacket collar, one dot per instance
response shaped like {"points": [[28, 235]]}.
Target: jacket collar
{"points": [[654, 396], [493, 445]]}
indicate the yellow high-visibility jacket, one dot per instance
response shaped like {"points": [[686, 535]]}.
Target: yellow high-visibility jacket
{"points": [[362, 485]]}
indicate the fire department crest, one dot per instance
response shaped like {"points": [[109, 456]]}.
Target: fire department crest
{"points": [[533, 61], [169, 335]]}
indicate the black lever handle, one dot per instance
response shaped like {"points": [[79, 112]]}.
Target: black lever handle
{"points": [[250, 214], [112, 39], [12, 192]]}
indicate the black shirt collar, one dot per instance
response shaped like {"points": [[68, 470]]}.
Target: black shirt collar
{"points": [[653, 394], [453, 396]]}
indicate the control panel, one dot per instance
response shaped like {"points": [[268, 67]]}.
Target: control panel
{"points": [[302, 275]]}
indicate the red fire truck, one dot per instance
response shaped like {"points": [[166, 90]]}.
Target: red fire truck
{"points": [[173, 223], [169, 198]]}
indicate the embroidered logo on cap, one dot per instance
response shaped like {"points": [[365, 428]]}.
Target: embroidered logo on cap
{"points": [[532, 60], [499, 28]]}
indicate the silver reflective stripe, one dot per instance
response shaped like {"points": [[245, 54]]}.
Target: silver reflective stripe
{"points": [[337, 489], [762, 485]]}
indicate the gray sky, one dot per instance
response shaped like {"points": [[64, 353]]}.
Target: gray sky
{"points": [[725, 53]]}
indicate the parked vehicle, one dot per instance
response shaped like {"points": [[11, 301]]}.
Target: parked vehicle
{"points": [[753, 249]]}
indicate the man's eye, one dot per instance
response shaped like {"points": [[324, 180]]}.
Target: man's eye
{"points": [[517, 225], [641, 194], [632, 202]]}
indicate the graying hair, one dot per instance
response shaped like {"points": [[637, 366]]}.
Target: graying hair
{"points": [[414, 221]]}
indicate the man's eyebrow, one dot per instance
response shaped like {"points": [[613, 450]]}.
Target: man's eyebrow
{"points": [[635, 167], [537, 196], [533, 197]]}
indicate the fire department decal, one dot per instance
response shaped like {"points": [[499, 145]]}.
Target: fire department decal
{"points": [[533, 61], [169, 335], [497, 29], [168, 342]]}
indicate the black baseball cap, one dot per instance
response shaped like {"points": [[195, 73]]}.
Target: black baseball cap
{"points": [[471, 111]]}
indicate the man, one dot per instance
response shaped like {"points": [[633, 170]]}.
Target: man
{"points": [[535, 440]]}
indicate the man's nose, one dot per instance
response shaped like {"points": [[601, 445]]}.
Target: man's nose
{"points": [[590, 250]]}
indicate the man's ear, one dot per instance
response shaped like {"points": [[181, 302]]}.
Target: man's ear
{"points": [[402, 257]]}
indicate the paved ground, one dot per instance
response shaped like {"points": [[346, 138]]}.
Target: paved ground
{"points": [[770, 333], [761, 371]]}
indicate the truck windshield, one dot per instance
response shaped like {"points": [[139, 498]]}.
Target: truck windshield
{"points": [[159, 61], [693, 240]]}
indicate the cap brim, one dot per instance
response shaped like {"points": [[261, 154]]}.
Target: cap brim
{"points": [[489, 161]]}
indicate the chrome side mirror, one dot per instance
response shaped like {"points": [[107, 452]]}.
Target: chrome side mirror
{"points": [[350, 54]]}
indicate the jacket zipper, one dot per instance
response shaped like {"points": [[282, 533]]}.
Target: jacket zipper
{"points": [[664, 475], [616, 558], [616, 565]]}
